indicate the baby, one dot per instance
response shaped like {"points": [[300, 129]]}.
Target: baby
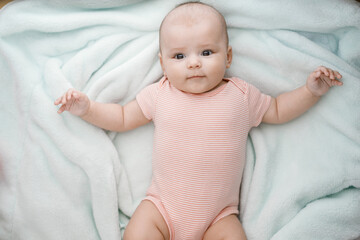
{"points": [[201, 123]]}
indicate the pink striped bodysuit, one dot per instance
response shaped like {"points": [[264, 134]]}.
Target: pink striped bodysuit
{"points": [[199, 151]]}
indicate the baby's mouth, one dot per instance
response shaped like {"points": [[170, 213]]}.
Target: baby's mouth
{"points": [[195, 77]]}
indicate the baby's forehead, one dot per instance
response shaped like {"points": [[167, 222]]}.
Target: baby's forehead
{"points": [[191, 14]]}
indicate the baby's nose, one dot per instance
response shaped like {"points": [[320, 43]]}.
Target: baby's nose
{"points": [[193, 62]]}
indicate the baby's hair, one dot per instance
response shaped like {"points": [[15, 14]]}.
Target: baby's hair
{"points": [[189, 3]]}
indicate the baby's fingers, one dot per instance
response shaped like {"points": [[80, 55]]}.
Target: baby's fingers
{"points": [[69, 94], [61, 100], [332, 74], [57, 101], [335, 82], [338, 75], [323, 70], [72, 93], [333, 78], [64, 98], [331, 82], [316, 74], [61, 109]]}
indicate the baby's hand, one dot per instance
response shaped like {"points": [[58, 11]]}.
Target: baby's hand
{"points": [[73, 101], [322, 79]]}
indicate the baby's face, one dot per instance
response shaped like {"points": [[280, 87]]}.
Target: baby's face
{"points": [[194, 55]]}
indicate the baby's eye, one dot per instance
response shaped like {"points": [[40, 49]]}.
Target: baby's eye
{"points": [[179, 56], [206, 53]]}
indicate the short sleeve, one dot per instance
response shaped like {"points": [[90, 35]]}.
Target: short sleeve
{"points": [[147, 100], [258, 102]]}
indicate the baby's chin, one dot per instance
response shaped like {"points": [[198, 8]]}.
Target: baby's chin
{"points": [[195, 89], [199, 89], [197, 85]]}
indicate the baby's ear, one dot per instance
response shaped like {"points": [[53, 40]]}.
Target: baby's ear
{"points": [[229, 57], [161, 62]]}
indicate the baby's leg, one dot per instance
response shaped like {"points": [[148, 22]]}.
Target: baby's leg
{"points": [[228, 228], [146, 223]]}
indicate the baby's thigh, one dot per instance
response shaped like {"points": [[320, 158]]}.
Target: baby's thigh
{"points": [[227, 228], [146, 223]]}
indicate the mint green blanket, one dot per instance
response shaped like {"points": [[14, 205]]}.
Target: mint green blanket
{"points": [[62, 178]]}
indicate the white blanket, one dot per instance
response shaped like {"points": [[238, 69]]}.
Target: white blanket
{"points": [[62, 178]]}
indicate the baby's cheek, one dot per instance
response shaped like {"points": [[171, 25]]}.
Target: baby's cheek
{"points": [[217, 68]]}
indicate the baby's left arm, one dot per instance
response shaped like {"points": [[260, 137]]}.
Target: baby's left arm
{"points": [[290, 105]]}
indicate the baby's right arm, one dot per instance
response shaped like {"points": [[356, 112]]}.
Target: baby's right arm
{"points": [[109, 116]]}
